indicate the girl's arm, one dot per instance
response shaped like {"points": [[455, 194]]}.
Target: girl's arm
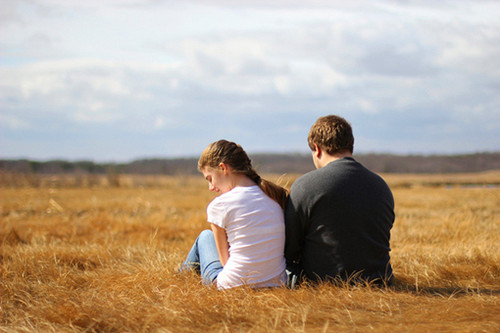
{"points": [[221, 243]]}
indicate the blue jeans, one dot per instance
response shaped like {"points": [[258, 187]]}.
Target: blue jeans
{"points": [[204, 258]]}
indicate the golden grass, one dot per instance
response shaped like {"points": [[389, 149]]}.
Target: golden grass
{"points": [[104, 259]]}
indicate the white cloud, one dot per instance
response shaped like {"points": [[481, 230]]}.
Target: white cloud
{"points": [[169, 70]]}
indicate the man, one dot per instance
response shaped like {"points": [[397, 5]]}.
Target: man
{"points": [[338, 218]]}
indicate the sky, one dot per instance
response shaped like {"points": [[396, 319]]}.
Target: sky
{"points": [[120, 80]]}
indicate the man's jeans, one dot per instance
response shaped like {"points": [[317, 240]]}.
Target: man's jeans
{"points": [[204, 258]]}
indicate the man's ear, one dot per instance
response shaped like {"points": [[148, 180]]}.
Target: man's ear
{"points": [[317, 152]]}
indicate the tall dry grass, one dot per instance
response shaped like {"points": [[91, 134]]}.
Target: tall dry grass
{"points": [[104, 259]]}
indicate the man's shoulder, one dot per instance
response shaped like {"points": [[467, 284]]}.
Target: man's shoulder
{"points": [[329, 175], [307, 178], [308, 183]]}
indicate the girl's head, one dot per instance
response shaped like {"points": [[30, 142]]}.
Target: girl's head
{"points": [[233, 156]]}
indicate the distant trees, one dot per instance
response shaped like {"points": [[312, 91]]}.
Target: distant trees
{"points": [[265, 163]]}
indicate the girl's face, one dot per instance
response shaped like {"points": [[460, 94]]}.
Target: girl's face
{"points": [[218, 179]]}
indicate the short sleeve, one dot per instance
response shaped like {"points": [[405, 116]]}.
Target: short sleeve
{"points": [[216, 213]]}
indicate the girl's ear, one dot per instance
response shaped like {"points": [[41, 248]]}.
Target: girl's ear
{"points": [[224, 168]]}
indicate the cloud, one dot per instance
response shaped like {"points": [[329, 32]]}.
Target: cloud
{"points": [[162, 77]]}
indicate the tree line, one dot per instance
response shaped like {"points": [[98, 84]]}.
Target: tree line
{"points": [[264, 163]]}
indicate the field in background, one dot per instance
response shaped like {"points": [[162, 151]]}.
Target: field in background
{"points": [[100, 255]]}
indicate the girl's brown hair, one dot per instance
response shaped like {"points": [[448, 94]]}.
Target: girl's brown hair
{"points": [[232, 154]]}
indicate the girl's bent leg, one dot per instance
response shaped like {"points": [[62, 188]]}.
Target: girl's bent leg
{"points": [[192, 260], [210, 265], [204, 257]]}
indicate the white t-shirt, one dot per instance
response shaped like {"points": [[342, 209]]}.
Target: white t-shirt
{"points": [[255, 230]]}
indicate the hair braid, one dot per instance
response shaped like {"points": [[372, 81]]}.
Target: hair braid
{"points": [[253, 175]]}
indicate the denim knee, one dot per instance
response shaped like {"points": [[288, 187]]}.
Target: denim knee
{"points": [[205, 234]]}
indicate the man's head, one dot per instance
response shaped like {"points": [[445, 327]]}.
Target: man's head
{"points": [[333, 134]]}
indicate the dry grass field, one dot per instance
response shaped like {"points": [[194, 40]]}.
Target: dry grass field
{"points": [[84, 256]]}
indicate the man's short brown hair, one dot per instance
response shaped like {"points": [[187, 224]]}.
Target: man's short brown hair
{"points": [[331, 133]]}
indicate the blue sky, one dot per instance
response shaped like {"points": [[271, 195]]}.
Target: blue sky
{"points": [[119, 80]]}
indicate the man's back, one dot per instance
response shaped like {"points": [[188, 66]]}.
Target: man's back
{"points": [[338, 222]]}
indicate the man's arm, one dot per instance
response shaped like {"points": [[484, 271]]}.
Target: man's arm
{"points": [[294, 228]]}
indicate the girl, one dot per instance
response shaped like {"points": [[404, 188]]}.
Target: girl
{"points": [[246, 242]]}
